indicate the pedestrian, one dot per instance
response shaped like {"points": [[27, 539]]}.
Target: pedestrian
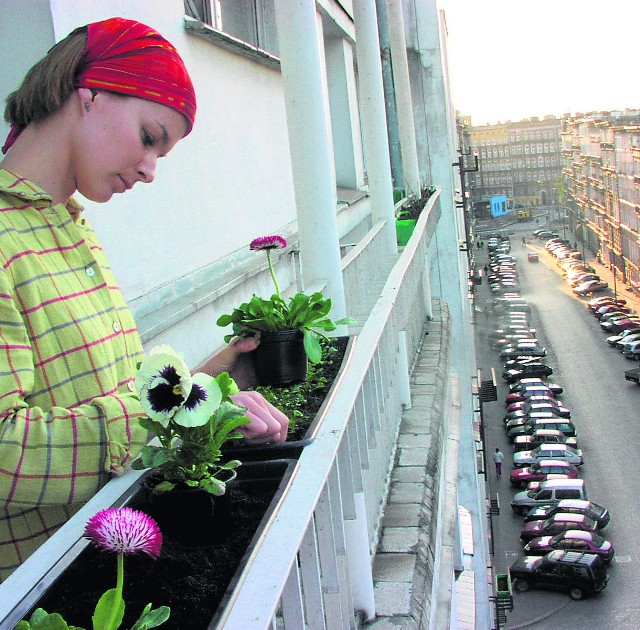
{"points": [[524, 241], [497, 458], [92, 117]]}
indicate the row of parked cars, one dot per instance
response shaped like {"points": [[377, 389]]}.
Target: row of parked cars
{"points": [[563, 546], [581, 277], [620, 321]]}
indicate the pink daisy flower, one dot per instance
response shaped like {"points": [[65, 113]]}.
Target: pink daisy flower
{"points": [[124, 531], [267, 242]]}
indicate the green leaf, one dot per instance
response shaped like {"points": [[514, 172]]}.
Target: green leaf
{"points": [[105, 605], [155, 456], [22, 625], [213, 486], [164, 486], [151, 618], [312, 347], [54, 621]]}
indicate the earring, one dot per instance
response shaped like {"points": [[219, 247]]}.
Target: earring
{"points": [[86, 105]]}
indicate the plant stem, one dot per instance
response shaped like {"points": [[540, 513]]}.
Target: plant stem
{"points": [[273, 274], [118, 598]]}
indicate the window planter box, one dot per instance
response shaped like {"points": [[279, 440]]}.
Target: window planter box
{"points": [[195, 582], [303, 435]]}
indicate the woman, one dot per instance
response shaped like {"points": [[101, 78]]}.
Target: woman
{"points": [[93, 116]]}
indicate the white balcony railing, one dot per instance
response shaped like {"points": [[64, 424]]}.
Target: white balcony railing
{"points": [[312, 567]]}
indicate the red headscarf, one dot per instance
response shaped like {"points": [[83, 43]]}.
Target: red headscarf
{"points": [[130, 58]]}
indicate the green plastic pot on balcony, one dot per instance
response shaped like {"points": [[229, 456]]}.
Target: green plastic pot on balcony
{"points": [[503, 585], [404, 230]]}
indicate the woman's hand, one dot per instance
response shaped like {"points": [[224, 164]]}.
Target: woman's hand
{"points": [[236, 359], [268, 424]]}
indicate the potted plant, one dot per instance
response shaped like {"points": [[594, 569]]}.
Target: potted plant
{"points": [[407, 216], [289, 329], [191, 416]]}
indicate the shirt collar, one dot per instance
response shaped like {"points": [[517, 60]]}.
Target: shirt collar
{"points": [[12, 184]]}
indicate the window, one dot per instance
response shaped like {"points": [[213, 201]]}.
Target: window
{"points": [[251, 21], [525, 135]]}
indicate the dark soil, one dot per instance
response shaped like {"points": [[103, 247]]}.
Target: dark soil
{"points": [[190, 580]]}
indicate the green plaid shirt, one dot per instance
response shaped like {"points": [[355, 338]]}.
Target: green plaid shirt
{"points": [[68, 353]]}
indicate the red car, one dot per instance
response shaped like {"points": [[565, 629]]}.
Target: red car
{"points": [[557, 524], [571, 540], [610, 308], [514, 406], [528, 392], [594, 304], [520, 477]]}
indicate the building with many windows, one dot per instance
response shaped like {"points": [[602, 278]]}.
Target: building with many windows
{"points": [[602, 177], [518, 159]]}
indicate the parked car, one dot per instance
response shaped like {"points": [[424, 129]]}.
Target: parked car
{"points": [[549, 405], [559, 522], [591, 286], [572, 540], [614, 339], [528, 392], [610, 308], [582, 278], [524, 350], [574, 506], [543, 398], [521, 477], [525, 370], [522, 384], [575, 573], [532, 257], [550, 492], [618, 325], [531, 424], [530, 441], [548, 451], [604, 299], [632, 351]]}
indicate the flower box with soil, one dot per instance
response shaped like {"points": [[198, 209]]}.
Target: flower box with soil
{"points": [[304, 403], [195, 582]]}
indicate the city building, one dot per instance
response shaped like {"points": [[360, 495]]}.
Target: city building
{"points": [[520, 160], [601, 154]]}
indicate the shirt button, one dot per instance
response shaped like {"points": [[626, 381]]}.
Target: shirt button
{"points": [[116, 327], [90, 271]]}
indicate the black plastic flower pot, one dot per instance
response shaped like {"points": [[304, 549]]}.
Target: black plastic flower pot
{"points": [[280, 359], [303, 434], [209, 520]]}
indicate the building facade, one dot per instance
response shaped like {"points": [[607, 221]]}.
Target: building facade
{"points": [[602, 172], [521, 160]]}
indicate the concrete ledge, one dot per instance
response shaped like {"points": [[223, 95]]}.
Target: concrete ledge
{"points": [[405, 562]]}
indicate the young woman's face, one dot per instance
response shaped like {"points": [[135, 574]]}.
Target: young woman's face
{"points": [[120, 141]]}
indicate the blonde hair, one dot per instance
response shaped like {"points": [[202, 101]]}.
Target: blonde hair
{"points": [[49, 83]]}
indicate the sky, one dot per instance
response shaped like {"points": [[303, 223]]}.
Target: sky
{"points": [[513, 59]]}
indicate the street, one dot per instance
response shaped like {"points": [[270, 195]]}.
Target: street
{"points": [[604, 408]]}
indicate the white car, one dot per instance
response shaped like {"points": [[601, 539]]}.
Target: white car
{"points": [[548, 451]]}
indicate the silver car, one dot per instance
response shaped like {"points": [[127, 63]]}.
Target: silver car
{"points": [[548, 451]]}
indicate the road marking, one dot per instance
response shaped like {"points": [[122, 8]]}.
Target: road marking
{"points": [[512, 554], [622, 559]]}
